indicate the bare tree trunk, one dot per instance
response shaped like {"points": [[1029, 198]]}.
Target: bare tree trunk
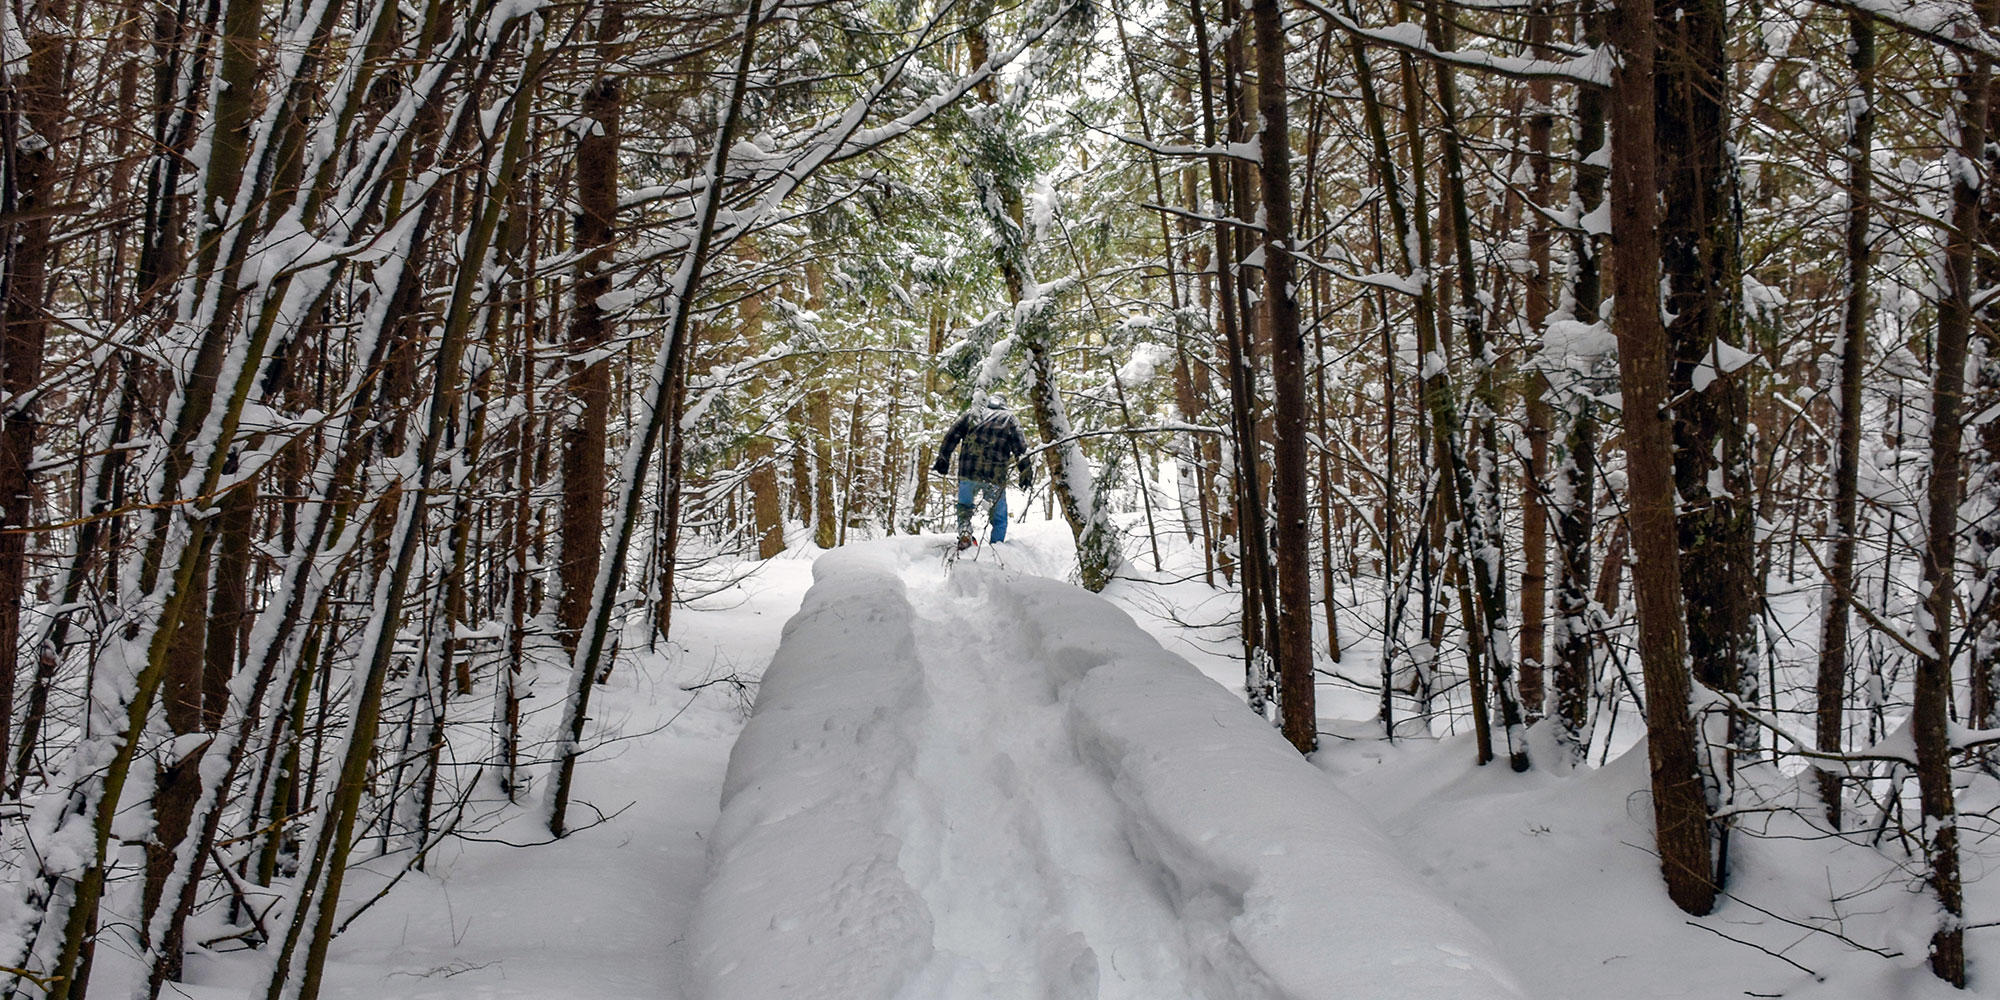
{"points": [[671, 496], [204, 424], [507, 707], [767, 506], [1831, 688], [655, 416], [819, 425], [1477, 480], [177, 773], [314, 914], [33, 120], [1680, 805], [1479, 581], [1245, 517], [1288, 378], [1253, 412], [1187, 400], [927, 451], [1930, 717], [1406, 259], [229, 601], [582, 531], [180, 80], [1576, 481], [1071, 480], [1447, 538], [850, 471], [798, 429], [1981, 510], [1534, 478], [1720, 589], [1328, 526]]}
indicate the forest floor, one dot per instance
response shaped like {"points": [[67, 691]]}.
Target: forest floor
{"points": [[966, 781]]}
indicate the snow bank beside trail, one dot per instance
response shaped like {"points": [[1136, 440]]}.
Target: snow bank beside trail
{"points": [[1557, 867], [1310, 895], [803, 876]]}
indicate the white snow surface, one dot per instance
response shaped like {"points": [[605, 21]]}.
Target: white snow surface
{"points": [[987, 784], [1004, 789]]}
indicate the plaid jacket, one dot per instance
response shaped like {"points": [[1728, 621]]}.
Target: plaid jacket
{"points": [[992, 440]]}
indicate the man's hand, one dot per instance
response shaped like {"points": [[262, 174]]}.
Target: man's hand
{"points": [[940, 468], [1027, 476]]}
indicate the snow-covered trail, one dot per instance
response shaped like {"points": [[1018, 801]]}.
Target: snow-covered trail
{"points": [[990, 785], [1032, 894]]}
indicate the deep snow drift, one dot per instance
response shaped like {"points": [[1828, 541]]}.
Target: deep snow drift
{"points": [[996, 786]]}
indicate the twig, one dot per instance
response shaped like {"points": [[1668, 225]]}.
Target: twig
{"points": [[1779, 917], [446, 971], [418, 856], [269, 827], [733, 680], [602, 818], [1799, 746], [42, 981], [236, 888], [1861, 607], [1801, 925], [1752, 944]]}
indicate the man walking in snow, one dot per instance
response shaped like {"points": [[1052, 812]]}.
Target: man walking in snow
{"points": [[992, 441]]}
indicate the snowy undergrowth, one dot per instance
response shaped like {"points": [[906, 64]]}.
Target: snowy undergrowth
{"points": [[601, 914]]}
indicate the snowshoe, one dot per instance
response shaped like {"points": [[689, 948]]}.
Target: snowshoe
{"points": [[965, 542]]}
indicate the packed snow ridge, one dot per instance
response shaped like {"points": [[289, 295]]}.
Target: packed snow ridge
{"points": [[987, 785]]}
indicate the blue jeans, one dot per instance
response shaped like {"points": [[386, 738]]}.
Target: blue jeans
{"points": [[970, 490]]}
